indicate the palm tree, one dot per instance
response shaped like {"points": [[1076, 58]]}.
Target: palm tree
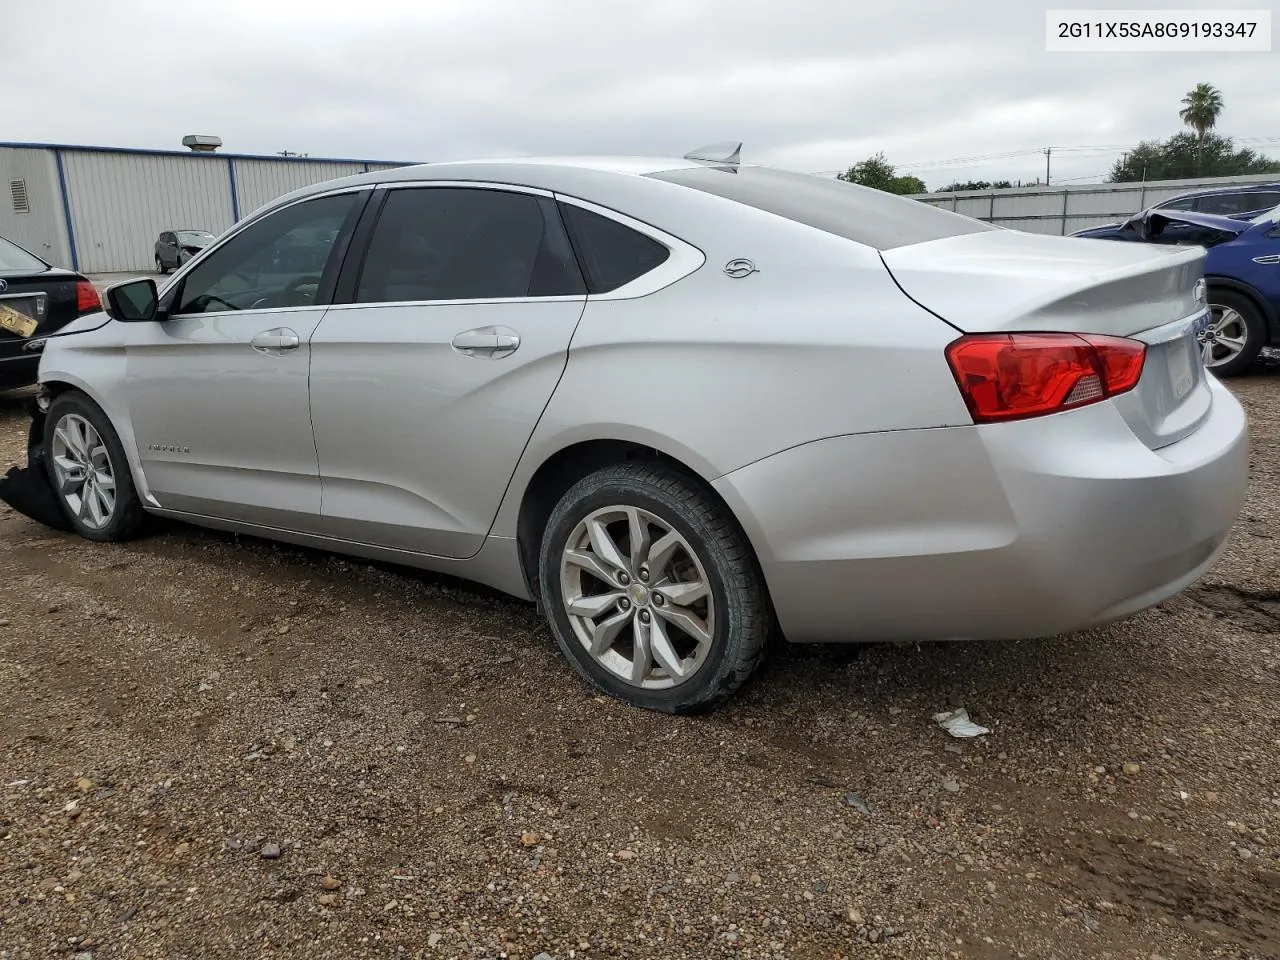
{"points": [[1200, 108]]}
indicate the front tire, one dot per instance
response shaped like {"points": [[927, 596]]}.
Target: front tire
{"points": [[160, 267], [1235, 337], [89, 471], [653, 593]]}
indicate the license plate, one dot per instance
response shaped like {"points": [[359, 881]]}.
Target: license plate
{"points": [[15, 321], [1181, 373]]}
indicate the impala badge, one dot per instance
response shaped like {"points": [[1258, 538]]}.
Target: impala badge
{"points": [[740, 268]]}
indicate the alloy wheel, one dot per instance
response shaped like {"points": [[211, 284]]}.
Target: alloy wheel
{"points": [[1225, 338], [637, 597], [83, 470]]}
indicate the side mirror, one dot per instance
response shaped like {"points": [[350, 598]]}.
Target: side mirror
{"points": [[134, 301]]}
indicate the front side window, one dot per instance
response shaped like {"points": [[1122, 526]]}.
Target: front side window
{"points": [[466, 243], [276, 262], [1186, 203]]}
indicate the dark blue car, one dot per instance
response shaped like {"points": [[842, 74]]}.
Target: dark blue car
{"points": [[1242, 271], [1240, 202]]}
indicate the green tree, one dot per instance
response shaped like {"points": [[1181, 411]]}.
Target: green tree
{"points": [[960, 185], [1200, 109], [1187, 155], [878, 173]]}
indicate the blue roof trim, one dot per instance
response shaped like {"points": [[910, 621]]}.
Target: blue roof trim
{"points": [[216, 155]]}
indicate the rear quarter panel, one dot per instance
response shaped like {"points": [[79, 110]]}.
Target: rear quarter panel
{"points": [[718, 372]]}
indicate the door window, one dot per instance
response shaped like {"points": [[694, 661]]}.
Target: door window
{"points": [[279, 261], [461, 243]]}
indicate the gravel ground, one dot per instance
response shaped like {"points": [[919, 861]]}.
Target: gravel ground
{"points": [[217, 747]]}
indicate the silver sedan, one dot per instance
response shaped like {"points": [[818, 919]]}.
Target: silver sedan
{"points": [[687, 406]]}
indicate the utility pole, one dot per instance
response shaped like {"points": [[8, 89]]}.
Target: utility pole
{"points": [[1047, 152]]}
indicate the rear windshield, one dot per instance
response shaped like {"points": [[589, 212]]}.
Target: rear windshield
{"points": [[872, 217], [14, 258]]}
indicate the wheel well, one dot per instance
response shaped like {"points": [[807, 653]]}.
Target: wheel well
{"points": [[1259, 303], [561, 472]]}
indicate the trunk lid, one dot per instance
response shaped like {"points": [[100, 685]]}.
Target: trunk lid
{"points": [[49, 298], [1009, 281]]}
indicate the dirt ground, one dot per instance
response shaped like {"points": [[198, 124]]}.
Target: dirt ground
{"points": [[216, 747]]}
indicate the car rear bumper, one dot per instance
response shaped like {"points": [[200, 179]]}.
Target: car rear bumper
{"points": [[1008, 530], [18, 371]]}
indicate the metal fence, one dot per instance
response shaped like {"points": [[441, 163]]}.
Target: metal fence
{"points": [[1065, 209]]}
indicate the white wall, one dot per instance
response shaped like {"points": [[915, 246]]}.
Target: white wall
{"points": [[260, 181], [1065, 209], [120, 203], [43, 230]]}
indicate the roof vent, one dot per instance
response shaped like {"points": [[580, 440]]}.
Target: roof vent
{"points": [[727, 151], [201, 144]]}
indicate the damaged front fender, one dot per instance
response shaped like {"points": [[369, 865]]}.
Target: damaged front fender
{"points": [[29, 489]]}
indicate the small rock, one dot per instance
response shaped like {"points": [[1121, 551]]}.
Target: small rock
{"points": [[1133, 814], [182, 849], [755, 880], [732, 877], [543, 956], [84, 784], [284, 628], [1132, 769], [433, 940], [470, 758], [530, 839], [953, 748], [950, 784], [1244, 853], [270, 851], [854, 917], [331, 883], [363, 682], [1090, 924], [625, 855], [856, 802], [328, 899]]}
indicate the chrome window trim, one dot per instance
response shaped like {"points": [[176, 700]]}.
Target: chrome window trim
{"points": [[685, 258], [391, 304]]}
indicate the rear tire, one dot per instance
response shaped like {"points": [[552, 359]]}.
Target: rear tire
{"points": [[696, 623], [89, 470], [1237, 317]]}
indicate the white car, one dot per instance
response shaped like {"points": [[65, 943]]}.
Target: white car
{"points": [[684, 404]]}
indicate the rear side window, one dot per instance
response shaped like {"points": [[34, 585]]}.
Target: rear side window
{"points": [[14, 258], [1186, 203], [461, 243], [611, 253], [871, 217]]}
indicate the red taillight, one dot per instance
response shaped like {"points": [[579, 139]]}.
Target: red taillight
{"points": [[1010, 376], [87, 299]]}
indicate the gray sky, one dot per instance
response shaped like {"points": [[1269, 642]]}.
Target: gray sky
{"points": [[812, 85]]}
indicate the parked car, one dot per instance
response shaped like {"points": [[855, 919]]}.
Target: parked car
{"points": [[1242, 269], [36, 300], [176, 247], [1241, 202], [683, 404]]}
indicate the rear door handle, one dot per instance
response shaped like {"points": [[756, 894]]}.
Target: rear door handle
{"points": [[275, 340], [491, 342]]}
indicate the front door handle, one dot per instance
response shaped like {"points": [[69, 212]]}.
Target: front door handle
{"points": [[491, 342], [275, 340]]}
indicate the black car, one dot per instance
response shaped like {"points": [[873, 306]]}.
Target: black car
{"points": [[36, 299], [176, 247]]}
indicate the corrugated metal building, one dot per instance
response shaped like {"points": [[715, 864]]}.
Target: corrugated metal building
{"points": [[100, 209], [1065, 209]]}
